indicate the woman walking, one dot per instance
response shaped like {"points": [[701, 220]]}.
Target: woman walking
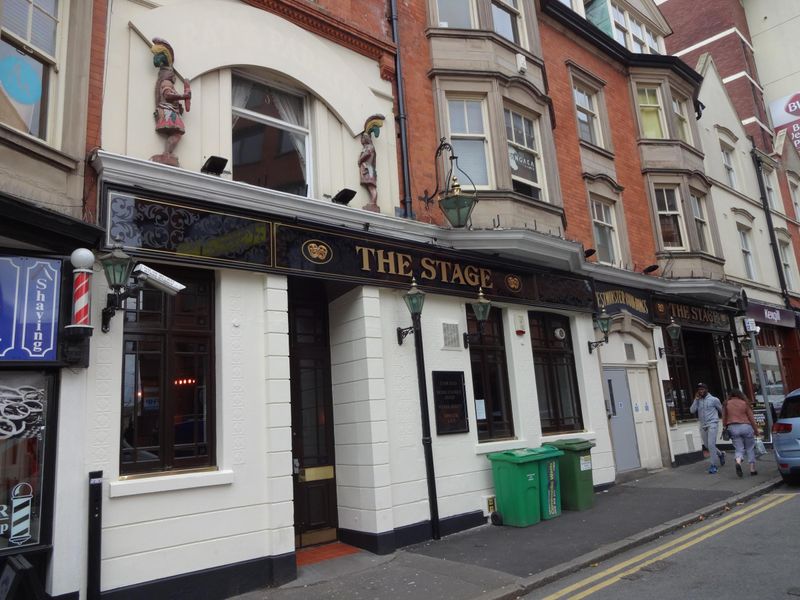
{"points": [[737, 416]]}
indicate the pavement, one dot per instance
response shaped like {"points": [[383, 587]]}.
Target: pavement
{"points": [[503, 563]]}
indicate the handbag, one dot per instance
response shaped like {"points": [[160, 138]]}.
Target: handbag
{"points": [[726, 435], [759, 447]]}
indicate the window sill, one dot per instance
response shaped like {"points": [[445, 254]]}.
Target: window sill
{"points": [[168, 483], [499, 446], [596, 149], [36, 148]]}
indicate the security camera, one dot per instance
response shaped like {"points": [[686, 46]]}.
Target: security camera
{"points": [[157, 280]]}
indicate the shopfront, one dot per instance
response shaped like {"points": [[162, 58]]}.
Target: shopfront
{"points": [[698, 345]]}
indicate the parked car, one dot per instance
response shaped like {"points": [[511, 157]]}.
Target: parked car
{"points": [[786, 438]]}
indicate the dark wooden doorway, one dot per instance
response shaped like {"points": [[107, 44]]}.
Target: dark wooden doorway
{"points": [[315, 514]]}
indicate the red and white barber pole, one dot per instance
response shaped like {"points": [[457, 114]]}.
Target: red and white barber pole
{"points": [[82, 260]]}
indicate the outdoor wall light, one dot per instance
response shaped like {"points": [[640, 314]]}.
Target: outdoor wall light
{"points": [[343, 196], [650, 269], [603, 322], [481, 308], [454, 202], [589, 252], [118, 268], [414, 299], [214, 165], [674, 330]]}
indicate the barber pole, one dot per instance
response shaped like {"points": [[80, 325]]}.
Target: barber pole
{"points": [[83, 260]]}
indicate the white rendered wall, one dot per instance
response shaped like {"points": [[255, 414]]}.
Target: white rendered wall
{"points": [[161, 526], [346, 86]]}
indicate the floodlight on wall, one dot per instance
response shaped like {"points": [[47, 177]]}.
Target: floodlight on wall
{"points": [[343, 196], [214, 165], [589, 252], [650, 269]]}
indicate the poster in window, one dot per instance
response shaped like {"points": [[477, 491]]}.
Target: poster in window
{"points": [[23, 414], [450, 402], [522, 163]]}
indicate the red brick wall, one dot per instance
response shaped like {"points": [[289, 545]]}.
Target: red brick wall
{"points": [[693, 21], [559, 47], [95, 108]]}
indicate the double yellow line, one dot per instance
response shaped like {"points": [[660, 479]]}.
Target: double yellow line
{"points": [[614, 574]]}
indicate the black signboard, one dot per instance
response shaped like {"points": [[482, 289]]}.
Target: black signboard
{"points": [[691, 315], [450, 402], [616, 298]]}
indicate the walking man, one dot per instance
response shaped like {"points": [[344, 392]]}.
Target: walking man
{"points": [[709, 410]]}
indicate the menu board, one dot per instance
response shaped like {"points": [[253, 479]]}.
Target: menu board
{"points": [[450, 402]]}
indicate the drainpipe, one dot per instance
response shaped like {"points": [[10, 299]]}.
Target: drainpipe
{"points": [[407, 210], [776, 256]]}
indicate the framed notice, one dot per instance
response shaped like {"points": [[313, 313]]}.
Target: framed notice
{"points": [[450, 402]]}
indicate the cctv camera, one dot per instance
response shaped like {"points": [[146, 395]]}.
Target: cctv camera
{"points": [[157, 280]]}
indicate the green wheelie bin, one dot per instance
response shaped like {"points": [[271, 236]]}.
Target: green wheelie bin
{"points": [[549, 481], [575, 471], [518, 481]]}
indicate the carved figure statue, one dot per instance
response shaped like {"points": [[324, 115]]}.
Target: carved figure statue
{"points": [[169, 111], [366, 160]]}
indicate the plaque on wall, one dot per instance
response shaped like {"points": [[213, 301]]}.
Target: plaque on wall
{"points": [[450, 402]]}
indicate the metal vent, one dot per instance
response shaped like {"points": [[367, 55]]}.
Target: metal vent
{"points": [[629, 353], [450, 334]]}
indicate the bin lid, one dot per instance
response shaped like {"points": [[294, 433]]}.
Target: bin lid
{"points": [[574, 444], [523, 455]]}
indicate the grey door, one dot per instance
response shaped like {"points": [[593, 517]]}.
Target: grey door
{"points": [[623, 429]]}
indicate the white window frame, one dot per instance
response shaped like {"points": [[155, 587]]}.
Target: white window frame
{"points": [[785, 250], [591, 112], [606, 220], [514, 9], [769, 187], [681, 118], [279, 124], [659, 105], [50, 63], [535, 150], [626, 31], [794, 192], [676, 212], [485, 136], [702, 226], [616, 26], [729, 163], [471, 9], [746, 247]]}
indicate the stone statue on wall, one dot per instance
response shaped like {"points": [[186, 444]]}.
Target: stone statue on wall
{"points": [[366, 160], [169, 111]]}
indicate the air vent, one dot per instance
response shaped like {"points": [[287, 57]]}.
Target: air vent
{"points": [[629, 353], [450, 334]]}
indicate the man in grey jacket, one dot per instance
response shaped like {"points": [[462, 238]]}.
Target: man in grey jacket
{"points": [[709, 410]]}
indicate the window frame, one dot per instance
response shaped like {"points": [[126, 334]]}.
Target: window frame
{"points": [[472, 16], [485, 135], [626, 30], [747, 252], [547, 357], [513, 8], [769, 187], [50, 63], [486, 349], [592, 112], [794, 193], [700, 215], [659, 106], [541, 185], [609, 208], [785, 252], [680, 118], [677, 213], [167, 336], [729, 163]]}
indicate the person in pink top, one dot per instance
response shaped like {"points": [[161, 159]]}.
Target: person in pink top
{"points": [[737, 417]]}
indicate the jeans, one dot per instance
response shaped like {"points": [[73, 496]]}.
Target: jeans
{"points": [[744, 440], [708, 434]]}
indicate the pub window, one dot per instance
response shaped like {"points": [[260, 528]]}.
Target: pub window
{"points": [[487, 352], [554, 369], [270, 136], [168, 377]]}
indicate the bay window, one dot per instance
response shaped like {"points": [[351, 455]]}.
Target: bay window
{"points": [[650, 114], [670, 217], [681, 120], [506, 19], [701, 222], [523, 154], [456, 14]]}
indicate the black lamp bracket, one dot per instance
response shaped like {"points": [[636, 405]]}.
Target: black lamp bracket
{"points": [[114, 302], [598, 343], [474, 337], [444, 146], [402, 333]]}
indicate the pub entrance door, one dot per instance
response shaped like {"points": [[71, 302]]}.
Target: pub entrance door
{"points": [[315, 514]]}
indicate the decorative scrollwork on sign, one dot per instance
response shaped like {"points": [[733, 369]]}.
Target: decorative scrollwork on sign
{"points": [[513, 283], [317, 252]]}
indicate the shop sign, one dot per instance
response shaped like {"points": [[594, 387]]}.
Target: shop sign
{"points": [[786, 115], [691, 315], [771, 315], [29, 306], [615, 299], [450, 402], [307, 251], [170, 229]]}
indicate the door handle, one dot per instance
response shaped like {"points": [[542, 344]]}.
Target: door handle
{"points": [[295, 466]]}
